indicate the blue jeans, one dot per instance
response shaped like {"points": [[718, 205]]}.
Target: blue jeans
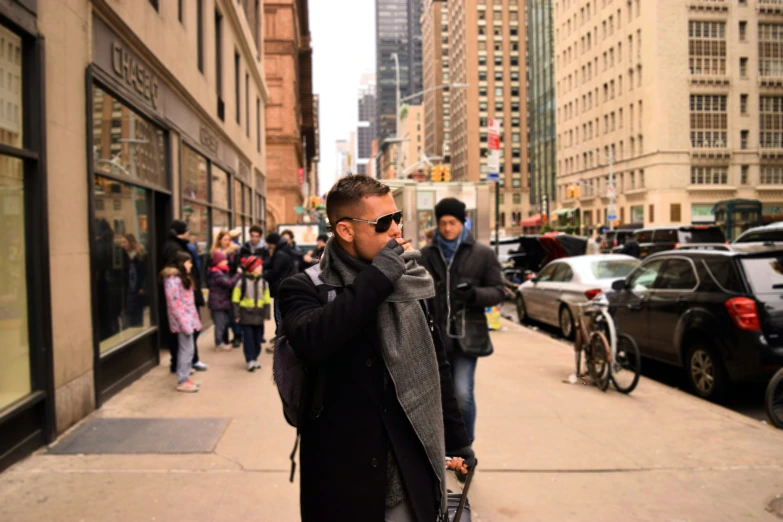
{"points": [[463, 373], [251, 341]]}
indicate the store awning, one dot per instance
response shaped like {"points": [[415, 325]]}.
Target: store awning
{"points": [[565, 211], [532, 221]]}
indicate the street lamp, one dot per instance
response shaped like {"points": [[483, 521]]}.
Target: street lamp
{"points": [[610, 188]]}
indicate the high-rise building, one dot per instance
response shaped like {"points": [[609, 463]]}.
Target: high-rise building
{"points": [[398, 28], [487, 52], [541, 105], [366, 130], [435, 71], [412, 132], [687, 119], [290, 126], [343, 158]]}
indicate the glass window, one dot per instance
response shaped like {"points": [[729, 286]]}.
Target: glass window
{"points": [[668, 235], [15, 380], [677, 275], [612, 269], [724, 274], [10, 93], [123, 275], [765, 275], [220, 221], [563, 274], [194, 175], [126, 144], [238, 203], [548, 273], [220, 186], [644, 278]]}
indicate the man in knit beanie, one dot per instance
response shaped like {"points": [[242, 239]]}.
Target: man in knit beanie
{"points": [[468, 279]]}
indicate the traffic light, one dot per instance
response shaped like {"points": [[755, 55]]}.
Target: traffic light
{"points": [[446, 173], [436, 173]]}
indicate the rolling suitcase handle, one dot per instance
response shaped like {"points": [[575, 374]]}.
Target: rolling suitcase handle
{"points": [[464, 496]]}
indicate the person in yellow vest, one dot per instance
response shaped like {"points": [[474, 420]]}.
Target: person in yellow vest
{"points": [[250, 300]]}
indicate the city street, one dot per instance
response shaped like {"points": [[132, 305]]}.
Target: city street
{"points": [[548, 451]]}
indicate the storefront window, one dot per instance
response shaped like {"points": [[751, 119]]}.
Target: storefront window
{"points": [[194, 175], [14, 343], [10, 90], [220, 221], [123, 275], [220, 184], [126, 144]]}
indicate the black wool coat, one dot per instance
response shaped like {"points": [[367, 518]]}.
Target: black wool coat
{"points": [[344, 452], [476, 264]]}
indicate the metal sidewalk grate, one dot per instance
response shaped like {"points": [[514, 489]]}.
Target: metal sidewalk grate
{"points": [[131, 436]]}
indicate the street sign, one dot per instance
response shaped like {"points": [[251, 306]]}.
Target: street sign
{"points": [[611, 192], [493, 176], [612, 212]]}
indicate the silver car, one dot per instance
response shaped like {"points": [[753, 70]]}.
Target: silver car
{"points": [[553, 295], [760, 239]]}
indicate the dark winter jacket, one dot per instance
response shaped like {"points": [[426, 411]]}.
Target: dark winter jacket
{"points": [[632, 248], [221, 284], [260, 250], [169, 253], [280, 266], [344, 452], [476, 264]]}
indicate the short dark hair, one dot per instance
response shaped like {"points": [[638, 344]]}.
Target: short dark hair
{"points": [[273, 238], [349, 192], [287, 232], [323, 237], [257, 229]]}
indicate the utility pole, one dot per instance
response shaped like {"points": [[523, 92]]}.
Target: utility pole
{"points": [[397, 115]]}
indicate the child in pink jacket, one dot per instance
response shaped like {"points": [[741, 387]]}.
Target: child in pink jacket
{"points": [[183, 316]]}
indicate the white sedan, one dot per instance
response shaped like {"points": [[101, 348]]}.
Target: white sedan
{"points": [[553, 295]]}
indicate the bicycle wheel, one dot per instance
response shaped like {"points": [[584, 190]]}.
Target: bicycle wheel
{"points": [[627, 365], [596, 360], [774, 400]]}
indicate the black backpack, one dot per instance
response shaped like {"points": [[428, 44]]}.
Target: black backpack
{"points": [[294, 381]]}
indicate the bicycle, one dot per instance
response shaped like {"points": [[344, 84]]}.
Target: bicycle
{"points": [[609, 356], [774, 399]]}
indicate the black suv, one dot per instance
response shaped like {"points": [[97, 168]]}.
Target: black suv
{"points": [[718, 314], [661, 239], [615, 239]]}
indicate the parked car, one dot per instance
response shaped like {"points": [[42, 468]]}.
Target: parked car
{"points": [[718, 314], [661, 239], [766, 238], [614, 240], [553, 295]]}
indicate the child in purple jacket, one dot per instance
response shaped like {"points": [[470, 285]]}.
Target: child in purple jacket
{"points": [[221, 285], [183, 315]]}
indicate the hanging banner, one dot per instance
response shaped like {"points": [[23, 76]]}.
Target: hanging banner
{"points": [[493, 146]]}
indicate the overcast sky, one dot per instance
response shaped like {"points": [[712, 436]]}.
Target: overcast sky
{"points": [[343, 39]]}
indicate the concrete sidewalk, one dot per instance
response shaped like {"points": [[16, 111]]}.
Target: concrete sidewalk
{"points": [[549, 451]]}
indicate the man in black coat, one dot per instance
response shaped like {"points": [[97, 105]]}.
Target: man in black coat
{"points": [[279, 266], [178, 241], [468, 279], [371, 454]]}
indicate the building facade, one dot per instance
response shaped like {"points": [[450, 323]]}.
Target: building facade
{"points": [[398, 31], [412, 132], [685, 98], [435, 72], [290, 124], [487, 52], [366, 130], [133, 113], [343, 158], [541, 109]]}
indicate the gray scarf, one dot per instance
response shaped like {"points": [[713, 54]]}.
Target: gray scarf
{"points": [[408, 351]]}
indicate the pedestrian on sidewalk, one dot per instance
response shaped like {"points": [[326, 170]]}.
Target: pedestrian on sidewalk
{"points": [[183, 316], [256, 246], [314, 256], [375, 450], [221, 285], [225, 243], [280, 266], [179, 241], [468, 279], [250, 302]]}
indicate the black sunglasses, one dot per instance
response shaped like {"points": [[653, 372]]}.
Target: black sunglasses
{"points": [[382, 224]]}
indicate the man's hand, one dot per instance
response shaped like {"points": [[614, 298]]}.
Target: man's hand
{"points": [[463, 459], [405, 243], [236, 320], [465, 295], [389, 260], [308, 257]]}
